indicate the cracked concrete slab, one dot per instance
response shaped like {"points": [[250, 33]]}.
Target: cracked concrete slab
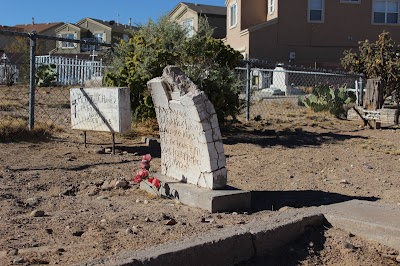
{"points": [[375, 221]]}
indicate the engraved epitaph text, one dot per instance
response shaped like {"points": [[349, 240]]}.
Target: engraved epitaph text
{"points": [[191, 145], [101, 109]]}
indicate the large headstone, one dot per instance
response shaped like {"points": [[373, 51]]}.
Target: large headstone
{"points": [[191, 145], [101, 109]]}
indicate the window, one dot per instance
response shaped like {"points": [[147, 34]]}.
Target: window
{"points": [[99, 37], [233, 15], [386, 11], [68, 44], [125, 37], [188, 25], [271, 6], [316, 10]]}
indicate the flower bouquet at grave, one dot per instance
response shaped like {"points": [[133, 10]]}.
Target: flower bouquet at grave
{"points": [[143, 173]]}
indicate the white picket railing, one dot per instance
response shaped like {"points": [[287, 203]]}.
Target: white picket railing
{"points": [[72, 71]]}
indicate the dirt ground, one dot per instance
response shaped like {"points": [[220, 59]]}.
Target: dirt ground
{"points": [[298, 161]]}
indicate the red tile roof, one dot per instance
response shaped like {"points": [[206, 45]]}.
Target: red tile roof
{"points": [[39, 28], [10, 28]]}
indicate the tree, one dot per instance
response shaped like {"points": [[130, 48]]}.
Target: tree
{"points": [[205, 60], [380, 59]]}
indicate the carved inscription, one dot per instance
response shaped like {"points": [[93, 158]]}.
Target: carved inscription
{"points": [[100, 109], [180, 138], [191, 145]]}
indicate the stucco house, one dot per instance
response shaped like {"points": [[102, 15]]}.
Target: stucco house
{"points": [[93, 30], [188, 14], [307, 32], [41, 28]]}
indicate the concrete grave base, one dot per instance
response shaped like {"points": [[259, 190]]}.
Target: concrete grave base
{"points": [[222, 200], [230, 246]]}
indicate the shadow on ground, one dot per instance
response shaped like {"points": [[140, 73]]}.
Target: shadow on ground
{"points": [[274, 200], [286, 138], [309, 244]]}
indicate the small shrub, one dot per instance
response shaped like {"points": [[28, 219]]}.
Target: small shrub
{"points": [[325, 98], [46, 75]]}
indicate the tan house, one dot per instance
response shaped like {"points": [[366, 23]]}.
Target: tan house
{"points": [[93, 30], [188, 14], [41, 28], [307, 32]]}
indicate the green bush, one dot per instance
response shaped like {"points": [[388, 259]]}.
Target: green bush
{"points": [[206, 61], [46, 75], [325, 98], [380, 59]]}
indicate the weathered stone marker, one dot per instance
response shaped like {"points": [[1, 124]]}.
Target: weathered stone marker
{"points": [[191, 145], [192, 151], [101, 109]]}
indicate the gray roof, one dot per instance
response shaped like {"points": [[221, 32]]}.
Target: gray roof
{"points": [[207, 9]]}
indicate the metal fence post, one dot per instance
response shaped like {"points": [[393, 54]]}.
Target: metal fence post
{"points": [[248, 92], [32, 82], [361, 92]]}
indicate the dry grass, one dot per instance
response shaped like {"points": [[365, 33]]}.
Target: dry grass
{"points": [[14, 129], [378, 145], [9, 105], [148, 127]]}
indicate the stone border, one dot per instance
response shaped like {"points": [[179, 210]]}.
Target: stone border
{"points": [[226, 246], [229, 246]]}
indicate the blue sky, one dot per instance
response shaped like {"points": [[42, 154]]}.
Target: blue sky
{"points": [[21, 11]]}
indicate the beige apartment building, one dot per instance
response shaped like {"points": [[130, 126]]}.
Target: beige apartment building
{"points": [[307, 32], [188, 15]]}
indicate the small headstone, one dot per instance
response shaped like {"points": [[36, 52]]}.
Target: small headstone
{"points": [[101, 109], [191, 143]]}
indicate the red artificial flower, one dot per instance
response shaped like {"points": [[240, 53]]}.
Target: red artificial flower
{"points": [[156, 183], [144, 165], [150, 179], [143, 173], [137, 179], [147, 157]]}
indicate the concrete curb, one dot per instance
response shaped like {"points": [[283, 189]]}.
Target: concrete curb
{"points": [[371, 220], [229, 246], [225, 246]]}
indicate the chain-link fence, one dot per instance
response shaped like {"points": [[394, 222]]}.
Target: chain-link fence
{"points": [[269, 90], [37, 72]]}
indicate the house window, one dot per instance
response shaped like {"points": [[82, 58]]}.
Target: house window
{"points": [[271, 6], [68, 44], [188, 25], [316, 10], [125, 37], [99, 37], [233, 15], [386, 11]]}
